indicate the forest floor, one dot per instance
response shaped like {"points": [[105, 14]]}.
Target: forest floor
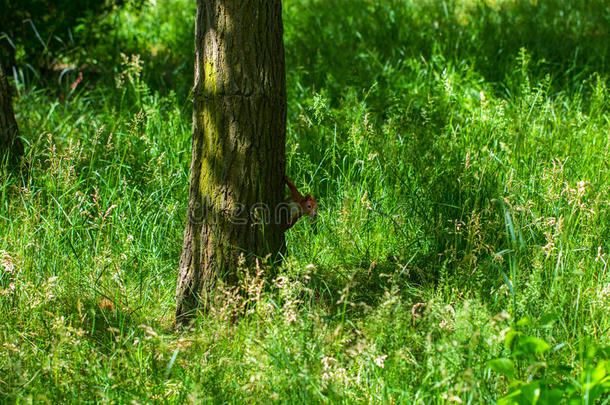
{"points": [[461, 154]]}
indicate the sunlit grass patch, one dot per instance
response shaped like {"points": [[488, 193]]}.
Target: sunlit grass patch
{"points": [[463, 182]]}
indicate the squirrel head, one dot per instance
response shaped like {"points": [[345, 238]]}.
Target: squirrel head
{"points": [[310, 206]]}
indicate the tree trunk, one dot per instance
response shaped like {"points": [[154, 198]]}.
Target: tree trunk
{"points": [[239, 137], [9, 142]]}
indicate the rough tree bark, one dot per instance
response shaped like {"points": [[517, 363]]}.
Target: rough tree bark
{"points": [[239, 136], [9, 142]]}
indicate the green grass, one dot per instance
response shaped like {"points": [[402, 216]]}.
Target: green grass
{"points": [[460, 152]]}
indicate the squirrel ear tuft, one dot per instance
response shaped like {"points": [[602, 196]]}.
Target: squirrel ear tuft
{"points": [[308, 196]]}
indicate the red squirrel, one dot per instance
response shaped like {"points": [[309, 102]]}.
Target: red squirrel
{"points": [[299, 204]]}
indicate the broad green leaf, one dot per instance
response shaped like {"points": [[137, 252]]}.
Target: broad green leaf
{"points": [[532, 392], [553, 396], [526, 320], [601, 371], [509, 337], [502, 366], [530, 344], [511, 398], [604, 352]]}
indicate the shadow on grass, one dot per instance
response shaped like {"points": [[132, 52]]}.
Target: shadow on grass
{"points": [[368, 42]]}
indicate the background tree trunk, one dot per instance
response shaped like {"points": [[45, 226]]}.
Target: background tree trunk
{"points": [[239, 137], [9, 142]]}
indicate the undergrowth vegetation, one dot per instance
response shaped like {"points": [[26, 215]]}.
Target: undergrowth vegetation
{"points": [[461, 154]]}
